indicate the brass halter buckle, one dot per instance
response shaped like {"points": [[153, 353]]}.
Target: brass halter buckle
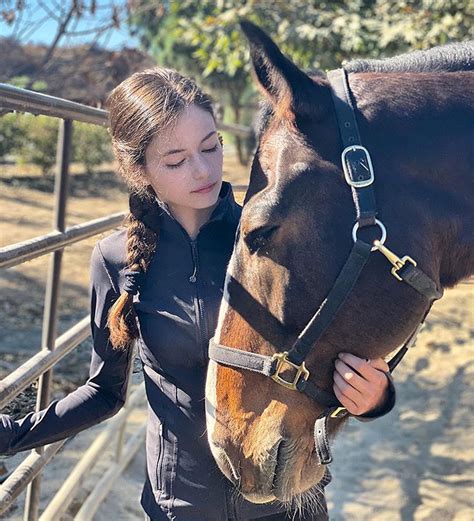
{"points": [[394, 259], [282, 360]]}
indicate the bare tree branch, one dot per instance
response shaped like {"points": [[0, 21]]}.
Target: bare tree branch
{"points": [[74, 18], [50, 13], [35, 27], [91, 31]]}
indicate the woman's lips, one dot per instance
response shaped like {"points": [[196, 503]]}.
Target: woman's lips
{"points": [[205, 189]]}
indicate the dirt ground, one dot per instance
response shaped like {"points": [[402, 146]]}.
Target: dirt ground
{"points": [[415, 464]]}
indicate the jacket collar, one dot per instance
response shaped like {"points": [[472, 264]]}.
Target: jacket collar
{"points": [[226, 210]]}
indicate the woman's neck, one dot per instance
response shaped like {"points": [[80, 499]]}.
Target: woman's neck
{"points": [[191, 219]]}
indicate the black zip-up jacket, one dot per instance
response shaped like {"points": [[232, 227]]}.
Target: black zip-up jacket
{"points": [[177, 309]]}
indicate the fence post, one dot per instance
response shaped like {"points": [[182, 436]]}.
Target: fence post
{"points": [[52, 294]]}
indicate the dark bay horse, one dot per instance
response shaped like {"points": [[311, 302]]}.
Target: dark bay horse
{"points": [[415, 116]]}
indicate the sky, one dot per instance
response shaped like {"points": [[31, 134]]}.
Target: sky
{"points": [[38, 25]]}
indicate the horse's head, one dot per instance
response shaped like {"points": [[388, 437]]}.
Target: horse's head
{"points": [[294, 237]]}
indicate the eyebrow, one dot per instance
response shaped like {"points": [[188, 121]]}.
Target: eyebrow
{"points": [[176, 150]]}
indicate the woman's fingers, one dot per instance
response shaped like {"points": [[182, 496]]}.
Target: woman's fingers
{"points": [[352, 379], [360, 384], [371, 370], [345, 401]]}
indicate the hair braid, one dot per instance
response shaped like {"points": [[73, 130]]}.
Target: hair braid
{"points": [[140, 246]]}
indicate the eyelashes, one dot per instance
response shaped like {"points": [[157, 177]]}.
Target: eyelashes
{"points": [[206, 151]]}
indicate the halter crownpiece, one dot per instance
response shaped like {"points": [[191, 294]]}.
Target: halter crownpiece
{"points": [[359, 175]]}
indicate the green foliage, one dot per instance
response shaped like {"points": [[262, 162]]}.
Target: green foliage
{"points": [[12, 134], [24, 82], [33, 139], [91, 145], [40, 142], [205, 36]]}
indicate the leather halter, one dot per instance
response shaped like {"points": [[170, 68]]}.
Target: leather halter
{"points": [[359, 175]]}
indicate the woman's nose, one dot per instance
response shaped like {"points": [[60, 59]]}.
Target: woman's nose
{"points": [[200, 168]]}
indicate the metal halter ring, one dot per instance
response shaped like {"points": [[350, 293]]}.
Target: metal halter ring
{"points": [[379, 224]]}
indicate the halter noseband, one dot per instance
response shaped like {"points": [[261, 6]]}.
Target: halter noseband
{"points": [[359, 175]]}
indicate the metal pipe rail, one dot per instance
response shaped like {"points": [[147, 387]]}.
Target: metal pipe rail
{"points": [[24, 474], [35, 366], [59, 504], [20, 252], [23, 100], [104, 485], [35, 462]]}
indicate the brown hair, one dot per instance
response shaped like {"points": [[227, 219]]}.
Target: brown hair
{"points": [[144, 104]]}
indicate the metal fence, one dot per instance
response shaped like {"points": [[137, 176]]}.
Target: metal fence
{"points": [[53, 349]]}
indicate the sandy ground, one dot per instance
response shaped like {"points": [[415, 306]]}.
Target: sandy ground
{"points": [[416, 463]]}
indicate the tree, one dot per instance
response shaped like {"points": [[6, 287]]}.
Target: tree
{"points": [[91, 146], [90, 20], [39, 147], [12, 134], [203, 39]]}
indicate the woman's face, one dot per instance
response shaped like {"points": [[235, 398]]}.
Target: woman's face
{"points": [[184, 164]]}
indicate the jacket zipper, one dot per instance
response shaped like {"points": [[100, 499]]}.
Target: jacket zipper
{"points": [[193, 279], [159, 463]]}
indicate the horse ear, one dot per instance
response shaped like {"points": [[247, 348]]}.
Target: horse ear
{"points": [[287, 86]]}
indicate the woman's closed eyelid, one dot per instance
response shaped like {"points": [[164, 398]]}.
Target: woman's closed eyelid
{"points": [[175, 165], [212, 149], [206, 150]]}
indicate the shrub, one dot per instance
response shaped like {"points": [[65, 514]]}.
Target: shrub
{"points": [[12, 135], [40, 143], [91, 145]]}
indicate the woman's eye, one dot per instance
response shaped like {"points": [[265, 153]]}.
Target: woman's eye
{"points": [[207, 151], [257, 239], [176, 165], [213, 149]]}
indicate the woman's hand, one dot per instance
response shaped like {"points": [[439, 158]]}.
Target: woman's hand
{"points": [[360, 384]]}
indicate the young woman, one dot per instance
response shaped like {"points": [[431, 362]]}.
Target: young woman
{"points": [[158, 282]]}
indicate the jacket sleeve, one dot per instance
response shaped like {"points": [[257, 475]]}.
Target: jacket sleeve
{"points": [[98, 399]]}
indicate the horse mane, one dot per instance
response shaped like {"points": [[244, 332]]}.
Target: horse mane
{"points": [[456, 56], [452, 57]]}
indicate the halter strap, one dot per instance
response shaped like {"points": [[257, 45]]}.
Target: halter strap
{"points": [[356, 161], [321, 320]]}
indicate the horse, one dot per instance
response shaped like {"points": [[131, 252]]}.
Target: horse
{"points": [[404, 126]]}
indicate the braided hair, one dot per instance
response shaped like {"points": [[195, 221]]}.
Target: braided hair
{"points": [[143, 105]]}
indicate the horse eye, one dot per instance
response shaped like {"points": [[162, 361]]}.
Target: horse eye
{"points": [[256, 239]]}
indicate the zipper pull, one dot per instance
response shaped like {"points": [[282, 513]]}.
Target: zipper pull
{"points": [[193, 277]]}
